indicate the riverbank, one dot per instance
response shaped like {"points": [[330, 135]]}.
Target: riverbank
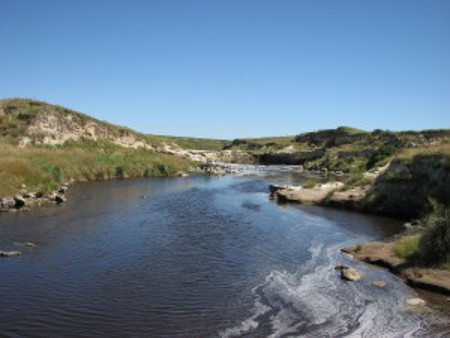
{"points": [[410, 190]]}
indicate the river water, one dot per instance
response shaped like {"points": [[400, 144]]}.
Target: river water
{"points": [[193, 257]]}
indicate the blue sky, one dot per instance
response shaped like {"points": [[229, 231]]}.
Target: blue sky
{"points": [[233, 68]]}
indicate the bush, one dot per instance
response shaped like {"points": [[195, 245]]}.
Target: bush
{"points": [[435, 243], [380, 154]]}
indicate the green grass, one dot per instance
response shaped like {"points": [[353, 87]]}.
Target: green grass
{"points": [[193, 143], [351, 130], [43, 168], [408, 247]]}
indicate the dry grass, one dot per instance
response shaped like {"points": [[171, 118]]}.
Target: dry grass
{"points": [[409, 153]]}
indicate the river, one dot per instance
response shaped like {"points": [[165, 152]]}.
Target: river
{"points": [[193, 257]]}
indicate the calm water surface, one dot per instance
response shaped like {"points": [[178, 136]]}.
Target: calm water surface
{"points": [[192, 257]]}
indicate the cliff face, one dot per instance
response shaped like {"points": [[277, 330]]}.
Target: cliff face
{"points": [[408, 188]]}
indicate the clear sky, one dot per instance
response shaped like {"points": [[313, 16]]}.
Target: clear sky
{"points": [[233, 68]]}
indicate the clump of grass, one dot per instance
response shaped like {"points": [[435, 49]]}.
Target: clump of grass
{"points": [[407, 248]]}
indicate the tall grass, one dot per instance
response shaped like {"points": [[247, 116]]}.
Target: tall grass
{"points": [[42, 168]]}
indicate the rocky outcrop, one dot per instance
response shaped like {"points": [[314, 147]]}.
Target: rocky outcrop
{"points": [[378, 253], [405, 190], [429, 279], [349, 199], [299, 194], [383, 254]]}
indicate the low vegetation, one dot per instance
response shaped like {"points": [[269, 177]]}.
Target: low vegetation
{"points": [[43, 168], [432, 247], [408, 247]]}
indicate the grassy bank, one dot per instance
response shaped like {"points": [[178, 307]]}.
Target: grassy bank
{"points": [[43, 168]]}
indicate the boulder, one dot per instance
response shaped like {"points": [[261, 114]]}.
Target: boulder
{"points": [[63, 189], [59, 198], [7, 203], [349, 273], [10, 253]]}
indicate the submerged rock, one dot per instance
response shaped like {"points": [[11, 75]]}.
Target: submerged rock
{"points": [[348, 273], [379, 284], [417, 305], [27, 244], [415, 302], [10, 253]]}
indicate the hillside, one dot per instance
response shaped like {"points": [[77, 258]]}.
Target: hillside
{"points": [[43, 145], [25, 121]]}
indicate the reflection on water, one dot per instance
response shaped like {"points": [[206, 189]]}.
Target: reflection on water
{"points": [[197, 257]]}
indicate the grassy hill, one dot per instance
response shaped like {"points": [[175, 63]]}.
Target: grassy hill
{"points": [[42, 145]]}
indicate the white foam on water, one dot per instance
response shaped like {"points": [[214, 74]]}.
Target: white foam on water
{"points": [[314, 301], [248, 324]]}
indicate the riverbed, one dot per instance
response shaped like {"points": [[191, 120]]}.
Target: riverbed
{"points": [[194, 257]]}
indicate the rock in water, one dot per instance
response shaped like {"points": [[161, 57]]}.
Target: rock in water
{"points": [[349, 274], [379, 283], [415, 302], [10, 253], [63, 189], [60, 198]]}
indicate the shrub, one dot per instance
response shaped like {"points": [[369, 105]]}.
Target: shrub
{"points": [[435, 243], [380, 154]]}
